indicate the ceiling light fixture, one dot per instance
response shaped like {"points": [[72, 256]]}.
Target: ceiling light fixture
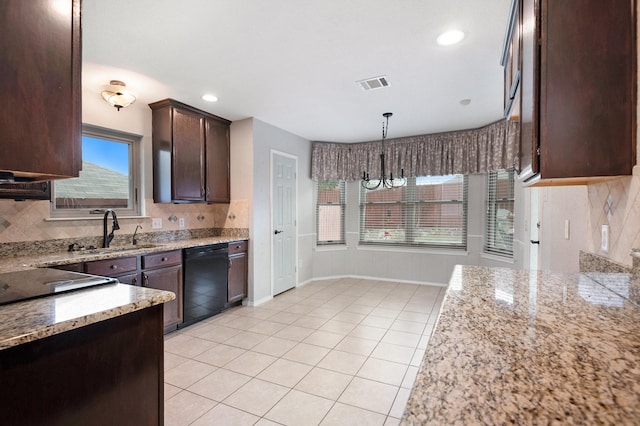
{"points": [[389, 182], [450, 37], [117, 95], [210, 98]]}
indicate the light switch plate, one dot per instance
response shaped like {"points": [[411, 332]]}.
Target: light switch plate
{"points": [[181, 222], [604, 238], [567, 227], [156, 223]]}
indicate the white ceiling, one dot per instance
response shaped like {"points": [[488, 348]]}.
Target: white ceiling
{"points": [[295, 63]]}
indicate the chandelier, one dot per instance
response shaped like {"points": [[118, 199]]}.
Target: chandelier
{"points": [[384, 180]]}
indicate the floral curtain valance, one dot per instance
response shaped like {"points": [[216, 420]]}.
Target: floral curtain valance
{"points": [[489, 148]]}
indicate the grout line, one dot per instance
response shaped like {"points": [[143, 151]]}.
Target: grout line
{"points": [[331, 301]]}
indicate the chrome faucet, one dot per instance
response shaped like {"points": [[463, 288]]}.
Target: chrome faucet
{"points": [[107, 238]]}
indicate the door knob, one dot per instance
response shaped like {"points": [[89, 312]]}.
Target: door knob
{"points": [[278, 232]]}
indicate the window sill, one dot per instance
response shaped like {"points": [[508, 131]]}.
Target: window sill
{"points": [[424, 250], [497, 258], [331, 247]]}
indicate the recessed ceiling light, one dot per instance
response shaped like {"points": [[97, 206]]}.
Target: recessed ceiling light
{"points": [[450, 37], [210, 98]]}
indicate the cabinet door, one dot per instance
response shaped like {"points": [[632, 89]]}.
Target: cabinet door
{"points": [[40, 86], [512, 57], [169, 279], [529, 89], [217, 165], [237, 282], [130, 279], [188, 156], [587, 88]]}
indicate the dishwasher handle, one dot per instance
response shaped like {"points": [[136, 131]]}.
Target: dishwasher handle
{"points": [[205, 251]]}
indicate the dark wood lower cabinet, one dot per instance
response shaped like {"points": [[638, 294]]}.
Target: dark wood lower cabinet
{"points": [[237, 278], [107, 373], [169, 279], [162, 271]]}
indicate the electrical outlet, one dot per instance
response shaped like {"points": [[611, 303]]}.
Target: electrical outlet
{"points": [[604, 238], [181, 222], [156, 223]]}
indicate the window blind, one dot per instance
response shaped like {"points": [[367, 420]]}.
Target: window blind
{"points": [[428, 211], [499, 212], [330, 211]]}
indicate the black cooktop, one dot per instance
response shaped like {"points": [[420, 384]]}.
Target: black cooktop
{"points": [[23, 285]]}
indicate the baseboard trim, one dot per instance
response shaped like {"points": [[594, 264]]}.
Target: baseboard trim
{"points": [[365, 277]]}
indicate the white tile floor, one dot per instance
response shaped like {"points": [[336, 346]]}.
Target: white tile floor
{"points": [[332, 352]]}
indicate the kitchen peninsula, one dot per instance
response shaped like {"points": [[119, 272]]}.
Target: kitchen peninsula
{"points": [[88, 356], [532, 347]]}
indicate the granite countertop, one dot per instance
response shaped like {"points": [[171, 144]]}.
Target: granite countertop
{"points": [[12, 264], [35, 319], [30, 320], [531, 347]]}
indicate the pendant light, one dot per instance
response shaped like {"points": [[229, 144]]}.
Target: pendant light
{"points": [[384, 180]]}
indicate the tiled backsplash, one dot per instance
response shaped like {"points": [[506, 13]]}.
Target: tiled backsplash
{"points": [[615, 203], [23, 221]]}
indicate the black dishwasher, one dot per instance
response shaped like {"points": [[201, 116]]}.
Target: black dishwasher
{"points": [[205, 282]]}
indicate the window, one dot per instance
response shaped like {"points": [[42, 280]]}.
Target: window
{"points": [[499, 219], [108, 179], [428, 211], [330, 210]]}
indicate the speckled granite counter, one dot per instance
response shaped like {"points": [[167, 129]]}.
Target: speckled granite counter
{"points": [[35, 319], [531, 347], [10, 264], [27, 321]]}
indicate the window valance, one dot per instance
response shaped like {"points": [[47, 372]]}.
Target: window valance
{"points": [[489, 148]]}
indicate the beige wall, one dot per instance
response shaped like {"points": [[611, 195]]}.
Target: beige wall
{"points": [[28, 220], [624, 222]]}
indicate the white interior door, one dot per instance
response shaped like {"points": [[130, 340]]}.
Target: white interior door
{"points": [[283, 178]]}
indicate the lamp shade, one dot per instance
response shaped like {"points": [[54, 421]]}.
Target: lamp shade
{"points": [[117, 95]]}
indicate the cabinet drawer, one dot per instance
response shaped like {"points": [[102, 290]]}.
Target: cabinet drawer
{"points": [[112, 267], [167, 258], [73, 267], [237, 247]]}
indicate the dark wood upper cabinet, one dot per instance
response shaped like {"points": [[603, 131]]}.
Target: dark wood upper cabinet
{"points": [[190, 154], [40, 86], [511, 58], [578, 90], [217, 164]]}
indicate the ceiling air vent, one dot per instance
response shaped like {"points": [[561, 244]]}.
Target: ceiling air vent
{"points": [[373, 83]]}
